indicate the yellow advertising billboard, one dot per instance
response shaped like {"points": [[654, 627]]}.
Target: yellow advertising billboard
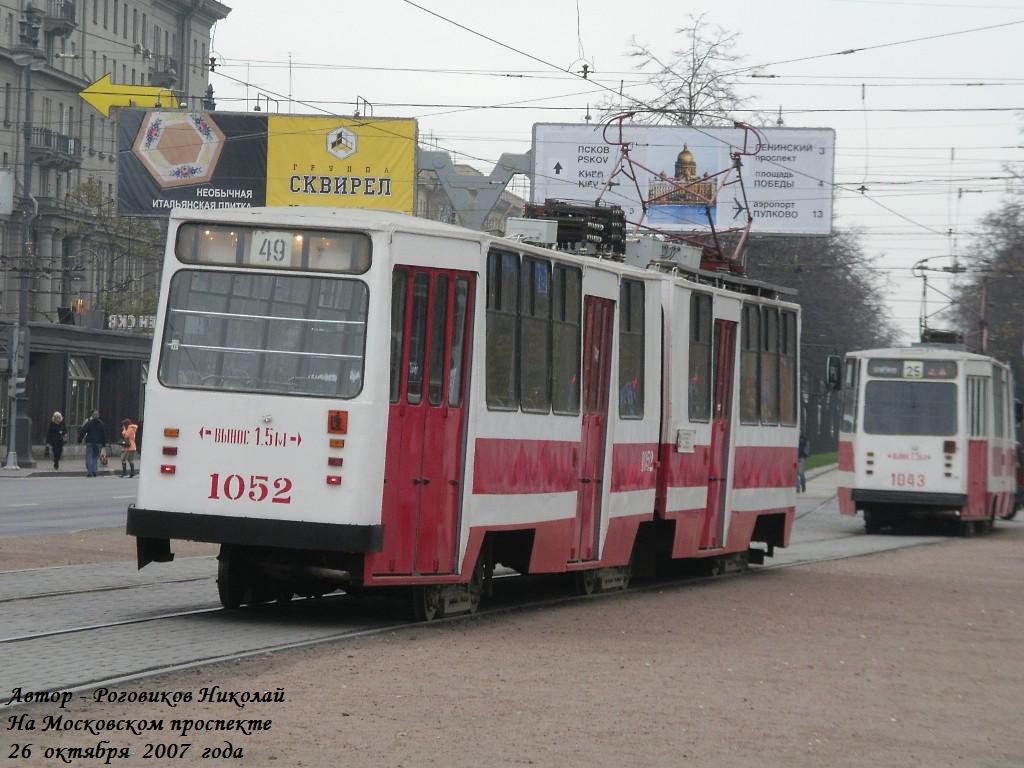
{"points": [[342, 162]]}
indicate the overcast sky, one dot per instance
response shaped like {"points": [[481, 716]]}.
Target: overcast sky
{"points": [[926, 172]]}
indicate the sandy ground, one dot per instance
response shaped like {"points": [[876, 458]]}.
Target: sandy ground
{"points": [[102, 545], [910, 658]]}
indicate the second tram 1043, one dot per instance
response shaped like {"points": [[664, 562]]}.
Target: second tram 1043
{"points": [[926, 431], [355, 399]]}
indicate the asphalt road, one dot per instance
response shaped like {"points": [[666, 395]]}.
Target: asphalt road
{"points": [[33, 505]]}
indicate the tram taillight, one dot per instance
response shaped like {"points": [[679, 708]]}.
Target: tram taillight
{"points": [[337, 422], [949, 446]]}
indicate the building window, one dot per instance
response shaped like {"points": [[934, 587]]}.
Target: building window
{"points": [[502, 343], [115, 17], [631, 349], [124, 26], [7, 104], [699, 385], [81, 393], [106, 12], [135, 25]]}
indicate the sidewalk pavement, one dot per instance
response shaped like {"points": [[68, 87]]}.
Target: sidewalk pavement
{"points": [[69, 467]]}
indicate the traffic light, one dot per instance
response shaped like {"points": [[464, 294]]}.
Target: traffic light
{"points": [[15, 386]]}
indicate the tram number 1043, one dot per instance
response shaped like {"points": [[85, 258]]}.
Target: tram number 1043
{"points": [[255, 488], [907, 480]]}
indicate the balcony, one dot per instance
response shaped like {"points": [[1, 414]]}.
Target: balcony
{"points": [[59, 18], [55, 150], [164, 72]]}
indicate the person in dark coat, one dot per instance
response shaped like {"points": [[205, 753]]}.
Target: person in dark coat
{"points": [[802, 452], [94, 434], [56, 436]]}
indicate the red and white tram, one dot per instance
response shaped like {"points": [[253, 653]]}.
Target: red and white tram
{"points": [[926, 430], [363, 399]]}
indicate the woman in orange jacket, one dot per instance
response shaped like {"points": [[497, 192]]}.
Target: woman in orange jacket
{"points": [[128, 447]]}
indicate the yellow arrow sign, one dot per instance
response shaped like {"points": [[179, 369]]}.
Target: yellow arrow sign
{"points": [[103, 94]]}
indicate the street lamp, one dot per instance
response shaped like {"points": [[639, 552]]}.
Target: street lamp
{"points": [[28, 55]]}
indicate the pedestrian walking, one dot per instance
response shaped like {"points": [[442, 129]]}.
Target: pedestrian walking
{"points": [[128, 447], [56, 436], [802, 452], [94, 434]]}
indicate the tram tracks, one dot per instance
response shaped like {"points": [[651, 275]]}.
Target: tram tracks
{"points": [[304, 623]]}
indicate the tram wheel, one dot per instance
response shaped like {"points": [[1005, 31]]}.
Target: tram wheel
{"points": [[476, 587], [967, 528], [627, 575], [586, 581], [426, 602], [872, 523], [231, 581]]}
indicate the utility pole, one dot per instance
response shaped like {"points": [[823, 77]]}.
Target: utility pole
{"points": [[27, 53]]}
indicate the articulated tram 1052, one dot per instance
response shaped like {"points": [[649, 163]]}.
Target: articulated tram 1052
{"points": [[355, 399]]}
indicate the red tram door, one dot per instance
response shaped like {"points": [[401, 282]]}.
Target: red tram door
{"points": [[431, 329], [598, 316], [724, 343]]}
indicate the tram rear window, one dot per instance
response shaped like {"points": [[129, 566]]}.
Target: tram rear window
{"points": [[273, 248], [269, 333], [910, 408]]}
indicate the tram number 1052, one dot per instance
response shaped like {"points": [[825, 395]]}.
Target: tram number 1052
{"points": [[907, 480], [255, 488]]}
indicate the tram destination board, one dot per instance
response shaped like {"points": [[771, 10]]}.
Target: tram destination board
{"points": [[787, 183]]}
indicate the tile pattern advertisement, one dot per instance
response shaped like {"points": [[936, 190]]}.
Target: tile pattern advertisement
{"points": [[212, 160]]}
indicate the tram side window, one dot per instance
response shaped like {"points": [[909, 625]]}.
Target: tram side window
{"points": [[787, 369], [699, 406], [458, 353], [438, 322], [417, 337], [850, 371], [750, 410], [976, 405], [565, 338], [398, 284], [502, 341], [998, 401], [535, 325], [769, 365], [631, 350]]}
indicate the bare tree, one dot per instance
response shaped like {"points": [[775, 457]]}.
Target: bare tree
{"points": [[695, 84], [120, 257], [992, 296]]}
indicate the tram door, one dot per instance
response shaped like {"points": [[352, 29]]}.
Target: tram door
{"points": [[598, 315], [721, 433], [431, 330]]}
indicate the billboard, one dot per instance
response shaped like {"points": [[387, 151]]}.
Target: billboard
{"points": [[208, 160], [787, 184]]}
